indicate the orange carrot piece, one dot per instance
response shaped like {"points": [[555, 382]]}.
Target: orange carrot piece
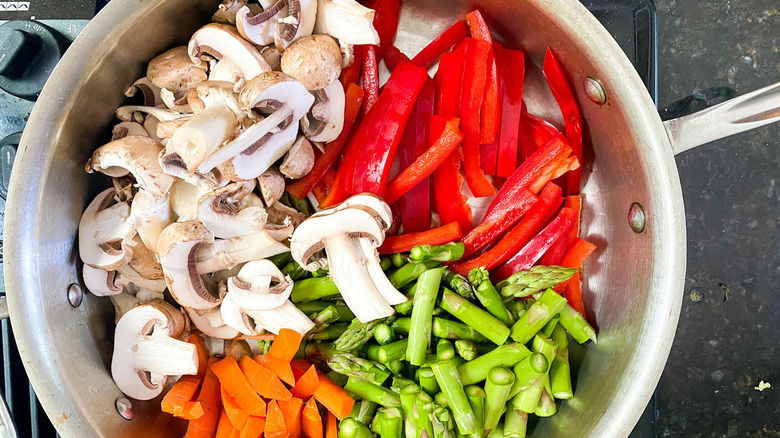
{"points": [[331, 426], [333, 397], [291, 411], [286, 345], [202, 350], [274, 422], [262, 337], [236, 433], [236, 384], [281, 368], [209, 398], [311, 420], [299, 367], [192, 411], [181, 393], [307, 384], [263, 380], [224, 427], [235, 413], [254, 428]]}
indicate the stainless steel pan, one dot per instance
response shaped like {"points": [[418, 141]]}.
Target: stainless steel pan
{"points": [[633, 209]]}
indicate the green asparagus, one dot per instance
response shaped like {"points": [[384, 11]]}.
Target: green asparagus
{"points": [[442, 422], [550, 326], [407, 274], [295, 271], [281, 260], [392, 351], [527, 399], [324, 318], [422, 315], [527, 283], [422, 414], [560, 370], [390, 423], [353, 366], [440, 398], [466, 349], [373, 392], [321, 351], [444, 350], [445, 328], [330, 332], [546, 346], [438, 253], [459, 284], [302, 205], [515, 424], [356, 335], [311, 289], [576, 325], [488, 295], [408, 398], [395, 366], [528, 371], [385, 263], [504, 356], [427, 380], [351, 428], [383, 333], [475, 317], [476, 396], [539, 314], [449, 381], [363, 411], [546, 406], [497, 386], [398, 260]]}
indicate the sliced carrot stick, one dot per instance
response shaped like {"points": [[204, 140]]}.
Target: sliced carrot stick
{"points": [[333, 397], [311, 420], [331, 426], [299, 367], [263, 337], [285, 345], [307, 384], [254, 428], [281, 368], [192, 411], [236, 433], [291, 411], [235, 413], [274, 422], [209, 399], [236, 384], [263, 380], [181, 393], [224, 427]]}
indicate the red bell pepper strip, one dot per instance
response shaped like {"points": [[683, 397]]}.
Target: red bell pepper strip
{"points": [[577, 253], [430, 53], [490, 150], [351, 74], [322, 189], [393, 56], [554, 255], [366, 165], [435, 236], [474, 77], [534, 133], [511, 65], [386, 16], [488, 157], [573, 293], [533, 221], [352, 102], [575, 203], [491, 103], [449, 83], [428, 162], [336, 194], [370, 79], [415, 206], [562, 91], [539, 168], [533, 250]]}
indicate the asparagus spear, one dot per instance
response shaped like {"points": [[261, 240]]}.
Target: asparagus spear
{"points": [[488, 295], [313, 307], [546, 406], [515, 424], [311, 289], [445, 328], [442, 422], [386, 263], [449, 381], [422, 315], [281, 260], [294, 271], [324, 318], [528, 371], [390, 423], [476, 396], [438, 253], [338, 378], [517, 307], [576, 325], [475, 317], [527, 399], [359, 368], [384, 334], [400, 383], [320, 351], [427, 381], [550, 326], [422, 414], [497, 432], [527, 283], [407, 274], [405, 308], [408, 397], [363, 411], [357, 334], [504, 356], [459, 284], [444, 350], [351, 428], [539, 314], [560, 372], [264, 346], [398, 260], [440, 398], [466, 349], [330, 332], [497, 386], [392, 351], [373, 392], [546, 346], [395, 366]]}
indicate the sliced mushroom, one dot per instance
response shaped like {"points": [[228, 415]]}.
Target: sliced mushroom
{"points": [[211, 324], [173, 165], [178, 247], [347, 54], [314, 60], [212, 93], [124, 129], [259, 27], [147, 295], [272, 56], [285, 316], [143, 261], [100, 282], [150, 125], [259, 285], [279, 213], [146, 352], [346, 20], [175, 71], [204, 134], [168, 128], [125, 188], [123, 303], [299, 159], [300, 20], [271, 184], [226, 253], [220, 213], [136, 155], [325, 120], [150, 91], [104, 228], [251, 163], [235, 318], [174, 102], [227, 11], [150, 217], [225, 71], [125, 276], [184, 199], [222, 41], [132, 113]]}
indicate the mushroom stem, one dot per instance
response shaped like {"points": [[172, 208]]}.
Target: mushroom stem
{"points": [[378, 277], [284, 316], [165, 356], [226, 253], [204, 134]]}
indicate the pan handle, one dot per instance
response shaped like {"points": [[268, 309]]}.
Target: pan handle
{"points": [[750, 111]]}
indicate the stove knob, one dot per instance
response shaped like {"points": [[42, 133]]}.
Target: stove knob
{"points": [[8, 147], [28, 53]]}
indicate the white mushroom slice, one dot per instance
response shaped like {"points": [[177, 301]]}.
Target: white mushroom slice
{"points": [[143, 261], [125, 276], [271, 184], [252, 162], [150, 217], [259, 27], [173, 165], [178, 245], [272, 56], [259, 285], [150, 91], [184, 199], [137, 155], [205, 324], [123, 303], [378, 276], [226, 253], [126, 113], [372, 204], [203, 134], [346, 20], [147, 295], [222, 41], [301, 16], [325, 120], [228, 9], [280, 214], [314, 60], [280, 232], [124, 129], [175, 71], [104, 228], [220, 213], [167, 129], [174, 103], [299, 159], [150, 125], [225, 71], [234, 316], [213, 93], [347, 54], [285, 316], [146, 351], [125, 188], [100, 282]]}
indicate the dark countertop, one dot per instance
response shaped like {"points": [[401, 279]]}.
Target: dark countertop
{"points": [[729, 332]]}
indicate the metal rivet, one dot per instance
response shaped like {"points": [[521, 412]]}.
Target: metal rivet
{"points": [[637, 218], [125, 408], [594, 90], [75, 295]]}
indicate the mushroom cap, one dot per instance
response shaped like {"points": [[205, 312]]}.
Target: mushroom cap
{"points": [[252, 288], [273, 89], [325, 120], [100, 282], [314, 60], [271, 184], [272, 56], [299, 159], [223, 41], [372, 204], [104, 228], [175, 71], [310, 236], [220, 212], [259, 27], [203, 322], [225, 71], [177, 248], [137, 155], [150, 217], [300, 20], [176, 102]]}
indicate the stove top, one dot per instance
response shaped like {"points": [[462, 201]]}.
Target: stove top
{"points": [[46, 27]]}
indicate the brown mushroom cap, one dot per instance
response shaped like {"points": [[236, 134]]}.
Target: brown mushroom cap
{"points": [[174, 70], [314, 60]]}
